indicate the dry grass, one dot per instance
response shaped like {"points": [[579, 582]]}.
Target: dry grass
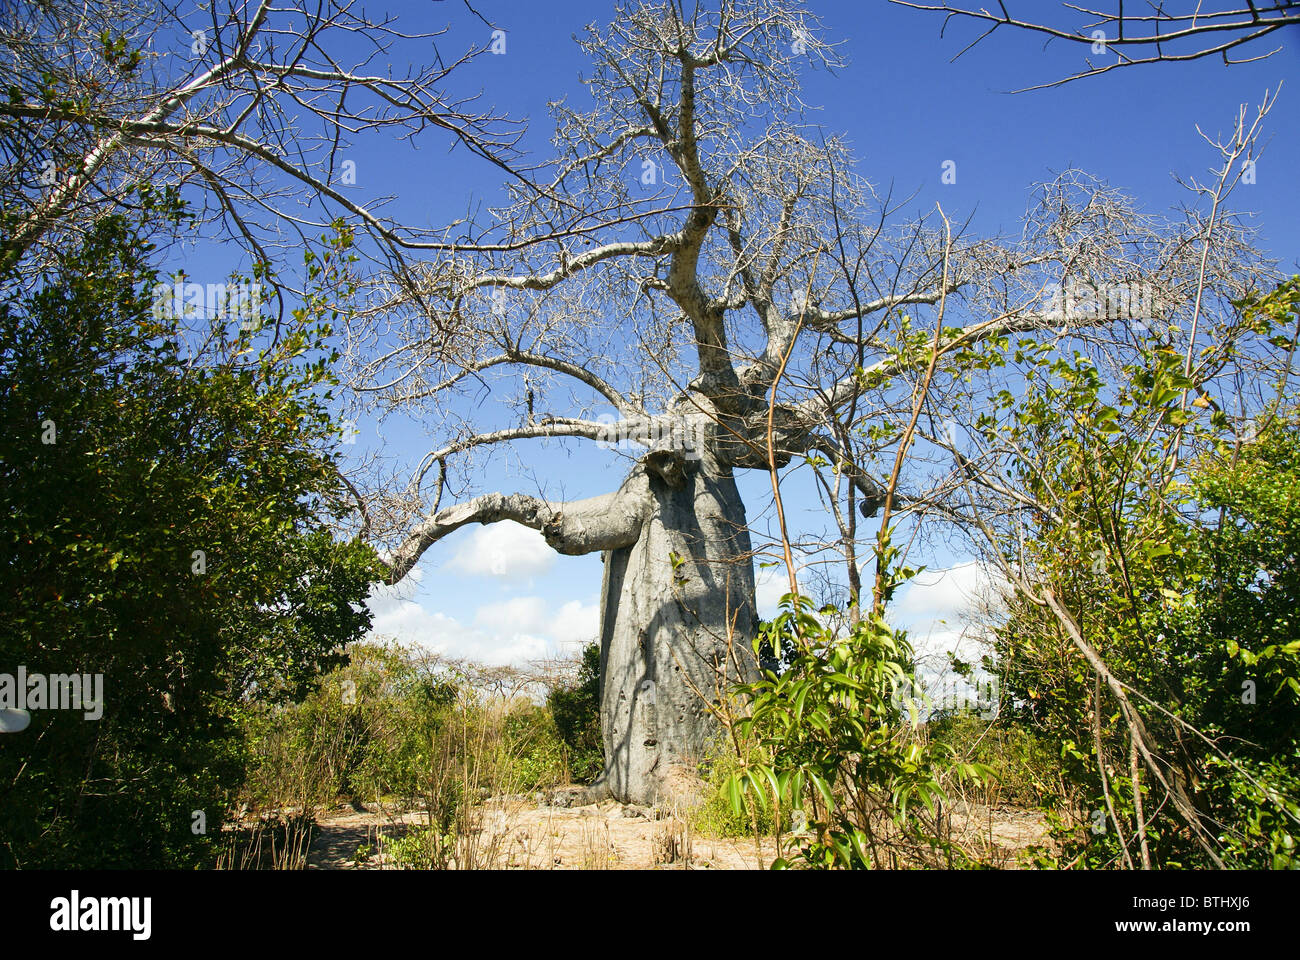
{"points": [[517, 833], [275, 842]]}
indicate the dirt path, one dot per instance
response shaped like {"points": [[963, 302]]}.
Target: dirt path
{"points": [[523, 835]]}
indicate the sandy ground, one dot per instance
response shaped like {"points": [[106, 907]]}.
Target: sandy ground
{"points": [[522, 834]]}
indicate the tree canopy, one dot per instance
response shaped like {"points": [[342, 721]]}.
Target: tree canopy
{"points": [[165, 505]]}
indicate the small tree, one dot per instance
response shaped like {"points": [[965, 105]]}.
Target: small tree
{"points": [[576, 709], [164, 511], [1148, 541]]}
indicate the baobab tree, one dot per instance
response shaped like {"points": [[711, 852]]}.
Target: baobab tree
{"points": [[708, 266]]}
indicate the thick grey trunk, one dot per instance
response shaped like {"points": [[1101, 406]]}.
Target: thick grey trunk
{"points": [[677, 608], [673, 635]]}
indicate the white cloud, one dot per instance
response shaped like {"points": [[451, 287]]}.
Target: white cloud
{"points": [[516, 649], [516, 615], [576, 623], [770, 585], [939, 610], [511, 631], [947, 595], [504, 550]]}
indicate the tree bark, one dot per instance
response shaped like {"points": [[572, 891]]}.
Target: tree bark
{"points": [[677, 616], [677, 624]]}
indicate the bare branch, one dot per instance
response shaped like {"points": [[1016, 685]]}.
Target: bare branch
{"points": [[606, 522], [1138, 39]]}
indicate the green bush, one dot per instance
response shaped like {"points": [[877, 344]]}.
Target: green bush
{"points": [[576, 710], [397, 727], [421, 848], [834, 745], [1022, 767], [164, 511], [716, 816], [532, 754], [1187, 593]]}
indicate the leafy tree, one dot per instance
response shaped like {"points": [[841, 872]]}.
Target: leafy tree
{"points": [[1246, 600], [576, 709], [843, 744], [164, 514], [1152, 631]]}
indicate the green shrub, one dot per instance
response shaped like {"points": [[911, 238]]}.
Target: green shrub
{"points": [[716, 816], [421, 848], [835, 746], [1023, 769], [1172, 562], [576, 710], [532, 753], [166, 529], [401, 728]]}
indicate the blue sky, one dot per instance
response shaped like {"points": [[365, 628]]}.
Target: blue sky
{"points": [[498, 593]]}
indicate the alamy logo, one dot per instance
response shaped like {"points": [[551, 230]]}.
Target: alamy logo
{"points": [[220, 301], [952, 695], [1080, 299], [23, 691], [682, 434], [75, 913]]}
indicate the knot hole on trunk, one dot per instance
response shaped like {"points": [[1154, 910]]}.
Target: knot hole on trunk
{"points": [[669, 466]]}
